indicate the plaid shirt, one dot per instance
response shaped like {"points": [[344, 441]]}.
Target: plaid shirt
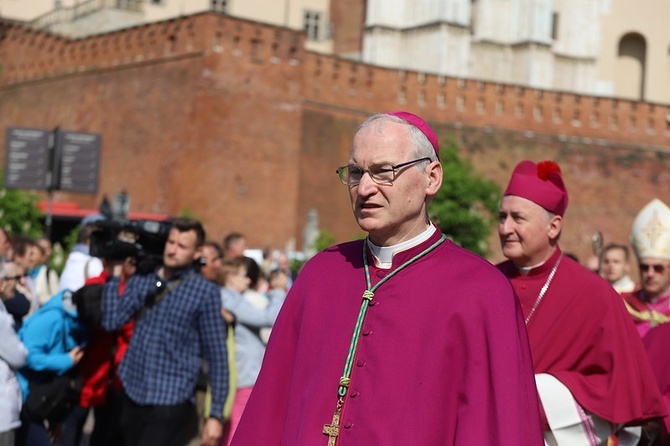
{"points": [[163, 359]]}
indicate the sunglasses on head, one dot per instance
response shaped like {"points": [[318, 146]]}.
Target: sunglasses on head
{"points": [[659, 269]]}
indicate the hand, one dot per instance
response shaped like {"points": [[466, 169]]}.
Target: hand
{"points": [[227, 316], [212, 432], [128, 268], [279, 281], [56, 434], [116, 268], [76, 354]]}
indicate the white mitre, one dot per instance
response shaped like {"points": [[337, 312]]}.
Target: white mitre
{"points": [[650, 235]]}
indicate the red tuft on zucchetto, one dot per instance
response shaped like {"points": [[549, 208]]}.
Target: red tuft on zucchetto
{"points": [[421, 125], [540, 183]]}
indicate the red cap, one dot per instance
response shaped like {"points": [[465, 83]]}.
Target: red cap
{"points": [[421, 125], [540, 183]]}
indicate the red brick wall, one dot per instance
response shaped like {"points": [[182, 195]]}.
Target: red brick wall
{"points": [[233, 121], [200, 124]]}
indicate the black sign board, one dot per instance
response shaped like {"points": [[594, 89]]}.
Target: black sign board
{"points": [[78, 155], [60, 160], [27, 158]]}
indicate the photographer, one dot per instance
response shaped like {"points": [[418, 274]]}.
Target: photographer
{"points": [[177, 319]]}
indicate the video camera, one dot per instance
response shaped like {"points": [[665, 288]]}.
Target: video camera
{"points": [[118, 240]]}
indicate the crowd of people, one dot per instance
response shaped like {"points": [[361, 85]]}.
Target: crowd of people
{"points": [[400, 338], [136, 344]]}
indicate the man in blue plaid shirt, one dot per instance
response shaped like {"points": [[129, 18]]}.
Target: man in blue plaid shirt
{"points": [[177, 319]]}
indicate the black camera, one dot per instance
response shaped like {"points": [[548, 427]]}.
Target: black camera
{"points": [[118, 240]]}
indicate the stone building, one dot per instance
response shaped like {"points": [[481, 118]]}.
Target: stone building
{"points": [[611, 48]]}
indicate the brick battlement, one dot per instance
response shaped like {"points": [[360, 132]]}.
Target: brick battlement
{"points": [[30, 55], [488, 104]]}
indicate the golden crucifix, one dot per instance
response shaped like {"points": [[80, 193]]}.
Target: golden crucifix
{"points": [[333, 429]]}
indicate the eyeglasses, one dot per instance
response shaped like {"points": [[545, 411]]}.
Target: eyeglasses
{"points": [[19, 277], [658, 269], [351, 174]]}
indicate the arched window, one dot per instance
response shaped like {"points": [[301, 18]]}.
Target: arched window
{"points": [[631, 66]]}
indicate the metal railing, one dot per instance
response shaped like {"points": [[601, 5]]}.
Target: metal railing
{"points": [[71, 13]]}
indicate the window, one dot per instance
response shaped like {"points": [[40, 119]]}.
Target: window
{"points": [[631, 66], [314, 25], [219, 5]]}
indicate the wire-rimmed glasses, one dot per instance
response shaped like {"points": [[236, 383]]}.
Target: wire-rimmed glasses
{"points": [[385, 174]]}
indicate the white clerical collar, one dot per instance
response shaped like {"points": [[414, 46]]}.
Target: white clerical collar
{"points": [[524, 270], [383, 255]]}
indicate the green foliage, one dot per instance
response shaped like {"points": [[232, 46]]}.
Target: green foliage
{"points": [[61, 250], [296, 265], [18, 211], [187, 212], [466, 206], [324, 240], [58, 257]]}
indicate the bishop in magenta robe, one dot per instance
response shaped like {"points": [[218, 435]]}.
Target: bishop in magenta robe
{"points": [[581, 334], [593, 378], [443, 357]]}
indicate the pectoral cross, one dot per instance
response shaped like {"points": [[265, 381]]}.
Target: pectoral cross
{"points": [[333, 429]]}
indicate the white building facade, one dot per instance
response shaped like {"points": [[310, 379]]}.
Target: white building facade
{"points": [[614, 48], [536, 43]]}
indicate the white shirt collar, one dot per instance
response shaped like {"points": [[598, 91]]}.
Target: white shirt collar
{"points": [[383, 255], [525, 270]]}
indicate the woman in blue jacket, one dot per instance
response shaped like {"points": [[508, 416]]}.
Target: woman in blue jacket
{"points": [[54, 338]]}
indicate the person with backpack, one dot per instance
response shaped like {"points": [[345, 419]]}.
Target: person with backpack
{"points": [[102, 390], [80, 265], [55, 340]]}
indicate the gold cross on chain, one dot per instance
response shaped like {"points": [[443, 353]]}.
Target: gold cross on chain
{"points": [[333, 429]]}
